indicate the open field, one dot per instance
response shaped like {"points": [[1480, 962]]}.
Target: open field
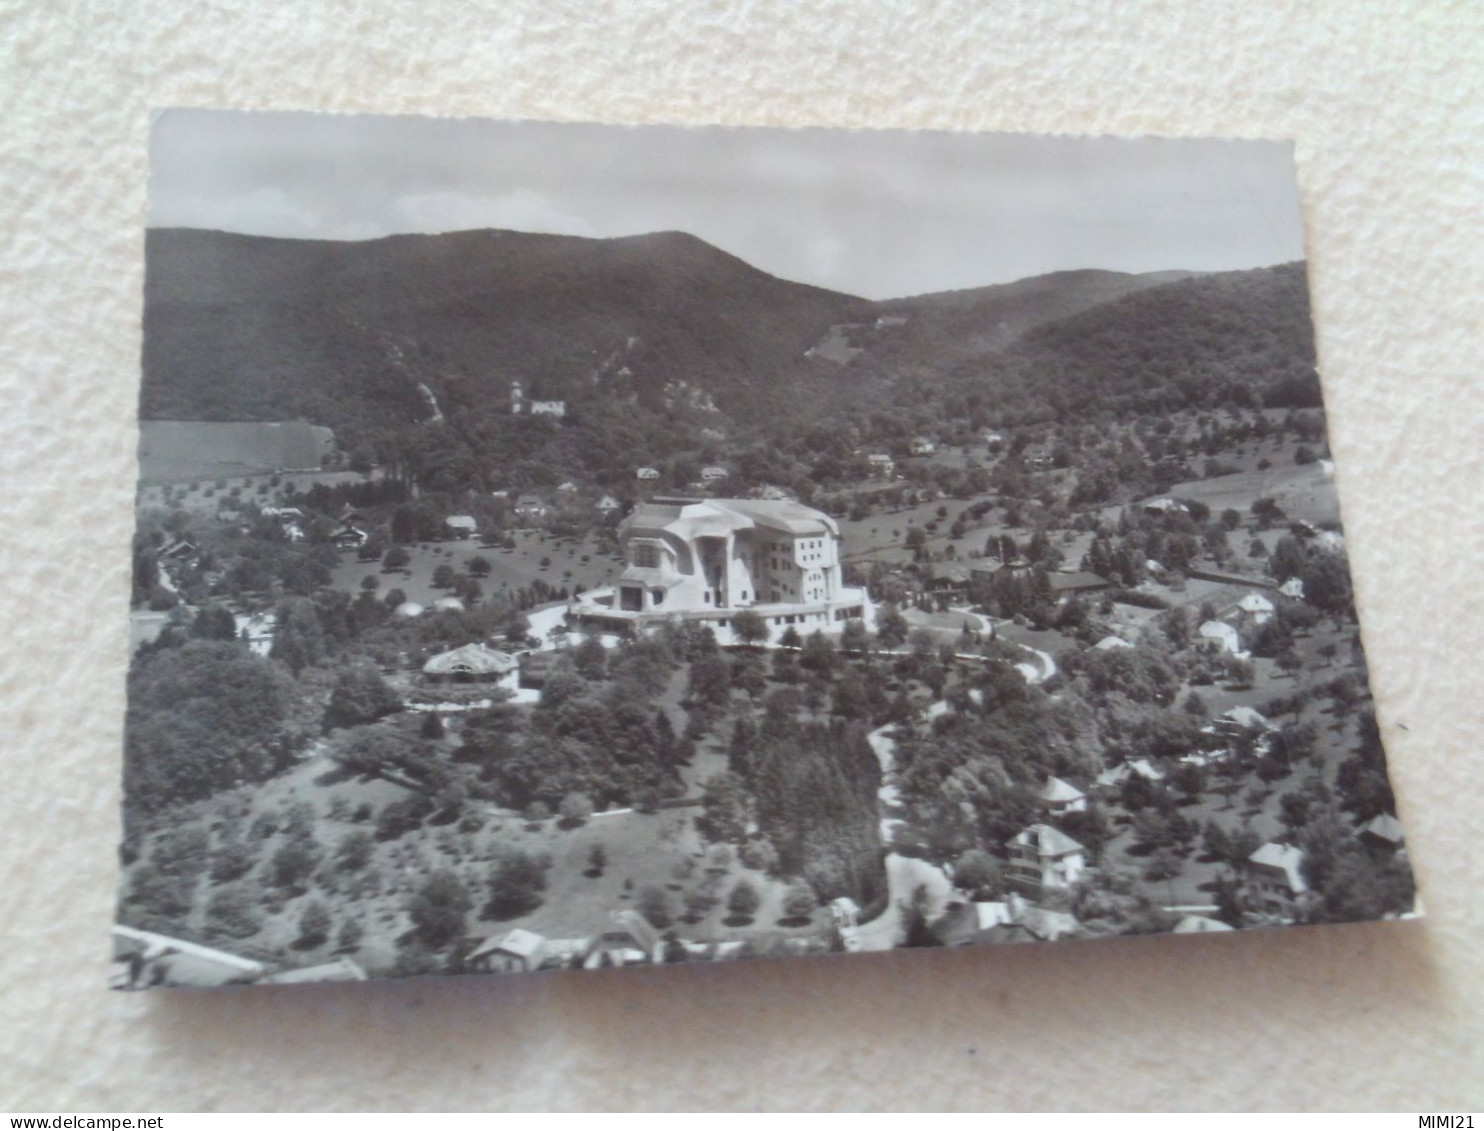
{"points": [[173, 451], [510, 569]]}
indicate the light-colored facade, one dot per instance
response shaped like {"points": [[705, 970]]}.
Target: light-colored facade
{"points": [[709, 559]]}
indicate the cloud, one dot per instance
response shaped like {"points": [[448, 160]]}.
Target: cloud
{"points": [[264, 211]]}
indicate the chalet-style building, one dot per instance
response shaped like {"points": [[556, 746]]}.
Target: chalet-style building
{"points": [[706, 560], [1058, 797], [608, 504], [628, 941], [713, 474], [647, 474], [1275, 879], [1044, 857], [922, 446], [461, 525], [519, 951], [881, 464], [530, 507]]}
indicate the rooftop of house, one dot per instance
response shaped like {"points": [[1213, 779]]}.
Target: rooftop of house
{"points": [[1046, 841], [1287, 859], [519, 941], [1057, 790], [1385, 827]]}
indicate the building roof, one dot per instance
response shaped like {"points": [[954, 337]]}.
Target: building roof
{"points": [[1056, 791], [340, 969], [409, 609], [1200, 925], [1118, 774], [461, 521], [1108, 643], [519, 942], [692, 518], [1047, 841], [448, 604], [471, 659], [1284, 858], [1077, 579], [1384, 827], [1255, 603]]}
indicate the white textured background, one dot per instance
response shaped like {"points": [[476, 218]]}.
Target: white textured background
{"points": [[1384, 99]]}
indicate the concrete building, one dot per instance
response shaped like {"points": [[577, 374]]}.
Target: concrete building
{"points": [[692, 559]]}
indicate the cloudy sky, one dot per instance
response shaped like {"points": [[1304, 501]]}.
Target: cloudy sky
{"points": [[880, 213]]}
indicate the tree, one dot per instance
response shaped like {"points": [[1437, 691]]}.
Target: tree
{"points": [[438, 909], [432, 726], [799, 901], [314, 926], [395, 558], [478, 566], [977, 873], [214, 622], [294, 862], [370, 583], [854, 638], [516, 885], [351, 933], [891, 627], [654, 904], [354, 851], [749, 628], [443, 576], [360, 696], [597, 860], [744, 900], [575, 809]]}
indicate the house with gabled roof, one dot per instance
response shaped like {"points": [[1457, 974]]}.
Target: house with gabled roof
{"points": [[1275, 878], [1384, 832], [1042, 856], [630, 940], [517, 951], [1058, 797]]}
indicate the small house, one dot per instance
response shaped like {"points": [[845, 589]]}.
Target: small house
{"points": [[1223, 637], [713, 474], [530, 507], [1382, 832], [630, 940], [647, 473], [608, 504], [1067, 583], [1275, 879], [518, 951], [922, 446], [881, 464], [461, 525], [1058, 797], [1045, 857]]}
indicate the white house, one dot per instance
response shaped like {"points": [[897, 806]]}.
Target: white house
{"points": [[881, 464], [647, 473], [1275, 878], [461, 525], [1044, 857], [921, 446], [712, 474], [608, 504], [1058, 796], [706, 560], [518, 951], [1224, 637]]}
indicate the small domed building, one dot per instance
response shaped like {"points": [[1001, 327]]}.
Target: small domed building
{"points": [[473, 663]]}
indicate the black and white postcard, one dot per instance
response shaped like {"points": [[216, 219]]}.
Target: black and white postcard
{"points": [[573, 546]]}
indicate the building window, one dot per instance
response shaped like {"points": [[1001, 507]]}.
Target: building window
{"points": [[646, 555]]}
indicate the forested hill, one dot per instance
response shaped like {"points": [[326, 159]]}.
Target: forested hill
{"points": [[249, 328], [662, 345], [949, 327], [1236, 337]]}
